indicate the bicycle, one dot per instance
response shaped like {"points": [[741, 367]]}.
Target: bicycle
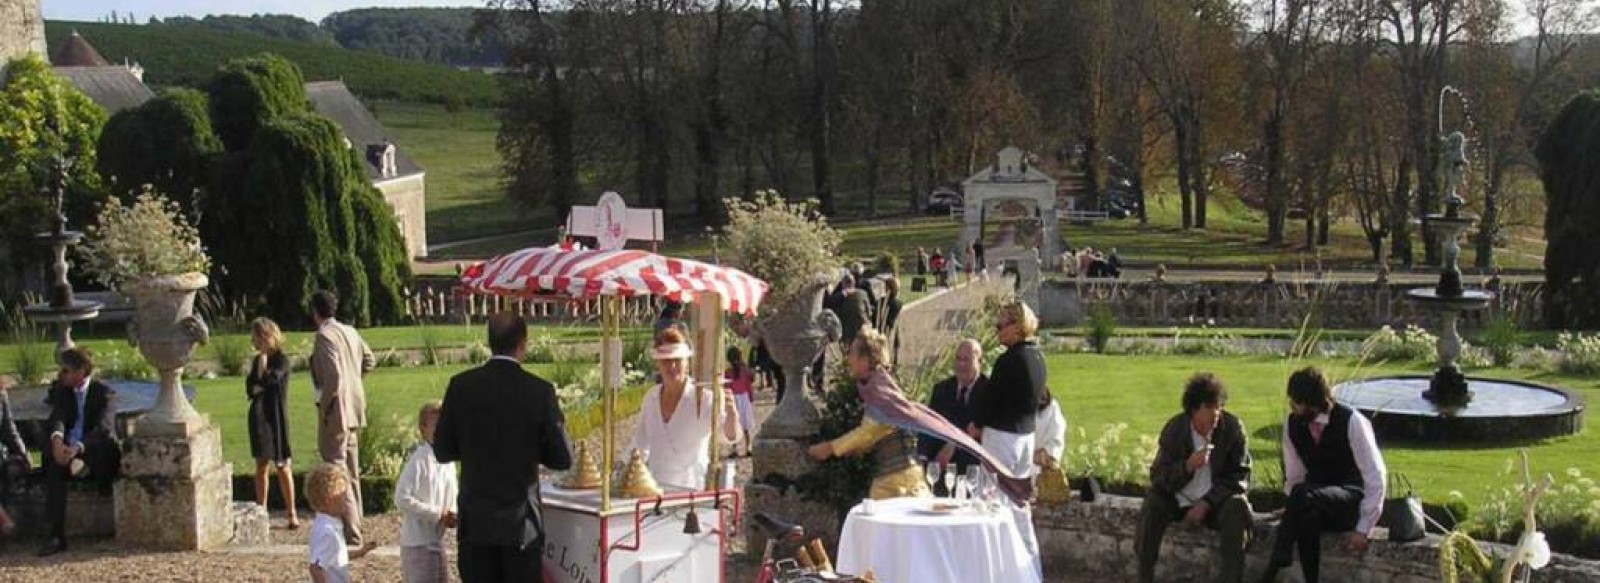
{"points": [[788, 570]]}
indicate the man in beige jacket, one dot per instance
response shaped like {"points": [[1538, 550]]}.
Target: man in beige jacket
{"points": [[338, 362]]}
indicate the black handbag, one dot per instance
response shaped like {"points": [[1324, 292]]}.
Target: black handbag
{"points": [[1402, 514]]}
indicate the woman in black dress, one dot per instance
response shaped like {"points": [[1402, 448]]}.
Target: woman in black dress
{"points": [[268, 389]]}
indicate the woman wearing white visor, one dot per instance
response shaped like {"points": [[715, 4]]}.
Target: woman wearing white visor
{"points": [[674, 429]]}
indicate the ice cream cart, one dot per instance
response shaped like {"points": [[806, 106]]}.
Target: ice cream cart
{"points": [[637, 532]]}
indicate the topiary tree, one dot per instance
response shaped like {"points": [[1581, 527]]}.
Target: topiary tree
{"points": [[167, 142], [248, 93], [1572, 192]]}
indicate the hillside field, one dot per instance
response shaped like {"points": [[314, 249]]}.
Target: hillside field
{"points": [[187, 56]]}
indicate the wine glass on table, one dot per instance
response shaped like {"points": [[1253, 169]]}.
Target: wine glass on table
{"points": [[931, 474], [949, 479]]}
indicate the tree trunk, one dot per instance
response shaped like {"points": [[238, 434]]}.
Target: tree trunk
{"points": [[1277, 195], [563, 154], [1197, 171], [1400, 214], [1185, 186], [821, 96]]}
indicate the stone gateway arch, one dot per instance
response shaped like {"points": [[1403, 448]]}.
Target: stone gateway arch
{"points": [[1006, 185]]}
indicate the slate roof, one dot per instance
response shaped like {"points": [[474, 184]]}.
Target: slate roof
{"points": [[113, 88], [77, 52], [334, 100]]}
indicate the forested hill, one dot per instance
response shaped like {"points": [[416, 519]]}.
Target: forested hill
{"points": [[188, 55], [435, 35], [439, 35]]}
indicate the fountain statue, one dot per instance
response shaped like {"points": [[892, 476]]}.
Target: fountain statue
{"points": [[61, 307], [1448, 405], [1448, 388]]}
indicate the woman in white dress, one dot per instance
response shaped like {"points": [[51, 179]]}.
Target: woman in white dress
{"points": [[674, 429], [1049, 433]]}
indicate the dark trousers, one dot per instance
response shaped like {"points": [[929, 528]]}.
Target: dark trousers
{"points": [[1231, 521], [501, 564], [101, 461], [1312, 510]]}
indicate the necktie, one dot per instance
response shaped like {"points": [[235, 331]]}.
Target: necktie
{"points": [[961, 395], [1316, 432]]}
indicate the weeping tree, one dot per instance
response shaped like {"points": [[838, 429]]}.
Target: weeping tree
{"points": [[288, 208], [317, 224], [1572, 192], [167, 142]]}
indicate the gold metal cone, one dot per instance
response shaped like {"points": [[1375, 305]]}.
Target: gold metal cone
{"points": [[636, 480], [1053, 488], [585, 475]]}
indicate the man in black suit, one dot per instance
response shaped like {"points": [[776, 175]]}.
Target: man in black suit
{"points": [[951, 398], [501, 423], [83, 439]]}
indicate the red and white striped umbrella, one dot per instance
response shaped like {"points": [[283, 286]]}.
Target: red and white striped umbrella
{"points": [[552, 271]]}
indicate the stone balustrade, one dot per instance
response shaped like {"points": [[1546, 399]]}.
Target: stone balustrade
{"points": [[1281, 304]]}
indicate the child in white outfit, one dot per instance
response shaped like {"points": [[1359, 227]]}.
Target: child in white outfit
{"points": [[426, 497], [330, 558]]}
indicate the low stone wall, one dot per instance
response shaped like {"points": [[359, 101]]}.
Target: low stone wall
{"points": [[1097, 539], [1282, 304]]}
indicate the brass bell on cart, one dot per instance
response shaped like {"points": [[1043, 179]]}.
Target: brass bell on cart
{"points": [[585, 475], [636, 479]]}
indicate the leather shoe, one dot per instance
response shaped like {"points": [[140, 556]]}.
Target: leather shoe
{"points": [[56, 545]]}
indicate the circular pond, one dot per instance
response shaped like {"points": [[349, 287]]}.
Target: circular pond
{"points": [[1500, 410]]}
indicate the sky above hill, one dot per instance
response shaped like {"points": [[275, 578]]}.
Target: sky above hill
{"points": [[142, 10]]}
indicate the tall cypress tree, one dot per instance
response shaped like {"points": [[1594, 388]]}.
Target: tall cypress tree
{"points": [[1572, 209]]}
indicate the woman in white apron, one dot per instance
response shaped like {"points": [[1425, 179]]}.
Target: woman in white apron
{"points": [[674, 429]]}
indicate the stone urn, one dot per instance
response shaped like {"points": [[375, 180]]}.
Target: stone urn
{"points": [[174, 492], [166, 329], [796, 335]]}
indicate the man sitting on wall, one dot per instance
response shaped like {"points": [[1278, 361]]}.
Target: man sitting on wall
{"points": [[1333, 473], [1200, 476], [83, 440]]}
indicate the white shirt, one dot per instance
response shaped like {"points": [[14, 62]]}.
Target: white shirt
{"points": [[1050, 430], [425, 490], [328, 550], [677, 451], [1200, 483], [1364, 445]]}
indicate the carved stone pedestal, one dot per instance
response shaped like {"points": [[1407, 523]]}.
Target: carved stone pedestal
{"points": [[175, 490]]}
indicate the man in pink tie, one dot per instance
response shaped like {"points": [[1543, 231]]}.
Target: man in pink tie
{"points": [[951, 398], [1333, 473]]}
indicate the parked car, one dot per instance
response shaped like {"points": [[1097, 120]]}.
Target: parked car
{"points": [[941, 200]]}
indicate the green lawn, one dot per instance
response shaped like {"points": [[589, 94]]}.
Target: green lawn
{"points": [[299, 342], [1234, 235], [458, 152], [1144, 391]]}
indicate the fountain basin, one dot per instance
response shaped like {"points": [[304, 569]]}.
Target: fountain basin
{"points": [[79, 311], [1500, 410], [1469, 300]]}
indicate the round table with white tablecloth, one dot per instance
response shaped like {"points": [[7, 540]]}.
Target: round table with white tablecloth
{"points": [[902, 541]]}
